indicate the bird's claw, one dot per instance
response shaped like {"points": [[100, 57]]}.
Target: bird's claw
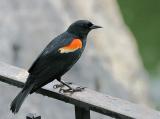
{"points": [[71, 90], [57, 86], [61, 85]]}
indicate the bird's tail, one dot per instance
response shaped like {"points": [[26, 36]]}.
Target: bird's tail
{"points": [[17, 102]]}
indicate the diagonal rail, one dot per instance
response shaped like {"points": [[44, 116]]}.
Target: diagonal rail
{"points": [[84, 101]]}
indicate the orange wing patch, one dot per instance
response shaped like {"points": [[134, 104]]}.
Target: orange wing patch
{"points": [[73, 46]]}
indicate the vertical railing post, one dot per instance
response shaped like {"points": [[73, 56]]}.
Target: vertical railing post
{"points": [[32, 116], [82, 113]]}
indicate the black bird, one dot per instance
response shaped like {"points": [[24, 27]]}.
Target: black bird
{"points": [[55, 60]]}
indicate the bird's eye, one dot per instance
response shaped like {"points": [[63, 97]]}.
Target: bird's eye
{"points": [[90, 24]]}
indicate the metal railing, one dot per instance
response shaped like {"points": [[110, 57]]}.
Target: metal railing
{"points": [[85, 101]]}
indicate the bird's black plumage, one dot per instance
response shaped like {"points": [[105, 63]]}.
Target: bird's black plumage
{"points": [[51, 64]]}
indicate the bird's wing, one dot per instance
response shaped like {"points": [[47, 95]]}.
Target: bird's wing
{"points": [[50, 52]]}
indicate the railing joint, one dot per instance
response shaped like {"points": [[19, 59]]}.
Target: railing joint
{"points": [[32, 116], [82, 113]]}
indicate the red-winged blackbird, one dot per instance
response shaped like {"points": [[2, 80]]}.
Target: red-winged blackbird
{"points": [[55, 60]]}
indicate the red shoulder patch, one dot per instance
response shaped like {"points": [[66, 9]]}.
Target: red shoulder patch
{"points": [[73, 46]]}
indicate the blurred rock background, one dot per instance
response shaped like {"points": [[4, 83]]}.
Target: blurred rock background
{"points": [[111, 63]]}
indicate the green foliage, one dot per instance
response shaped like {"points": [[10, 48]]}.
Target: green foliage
{"points": [[143, 18]]}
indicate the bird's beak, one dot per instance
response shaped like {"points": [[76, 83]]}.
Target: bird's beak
{"points": [[95, 27]]}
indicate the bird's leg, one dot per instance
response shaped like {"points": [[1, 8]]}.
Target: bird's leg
{"points": [[65, 84], [62, 84], [70, 89]]}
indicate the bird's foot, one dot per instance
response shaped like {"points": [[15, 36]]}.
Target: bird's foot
{"points": [[71, 90], [61, 85]]}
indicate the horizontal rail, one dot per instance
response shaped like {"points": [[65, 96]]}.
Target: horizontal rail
{"points": [[87, 99]]}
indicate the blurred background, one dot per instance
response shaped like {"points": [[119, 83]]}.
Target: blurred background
{"points": [[121, 60]]}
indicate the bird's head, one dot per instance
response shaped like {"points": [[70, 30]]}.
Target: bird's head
{"points": [[81, 28]]}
